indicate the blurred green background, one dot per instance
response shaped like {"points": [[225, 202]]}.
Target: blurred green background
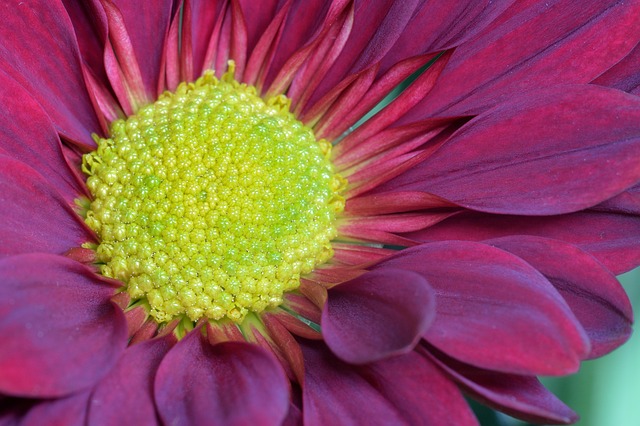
{"points": [[606, 391]]}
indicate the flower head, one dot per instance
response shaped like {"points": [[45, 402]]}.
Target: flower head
{"points": [[208, 220]]}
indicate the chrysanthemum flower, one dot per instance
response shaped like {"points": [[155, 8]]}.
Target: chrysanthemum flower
{"points": [[203, 223]]}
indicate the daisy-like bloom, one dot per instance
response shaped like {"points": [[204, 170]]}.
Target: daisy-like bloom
{"points": [[203, 223]]}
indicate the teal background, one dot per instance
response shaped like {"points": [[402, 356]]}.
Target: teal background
{"points": [[606, 391]]}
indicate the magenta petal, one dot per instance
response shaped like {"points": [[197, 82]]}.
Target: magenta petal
{"points": [[35, 218], [494, 311], [62, 333], [377, 315], [624, 75], [573, 134], [420, 391], [610, 238], [127, 391], [519, 396], [68, 411], [627, 202], [48, 67], [228, 383], [28, 135], [592, 292], [335, 393], [534, 44]]}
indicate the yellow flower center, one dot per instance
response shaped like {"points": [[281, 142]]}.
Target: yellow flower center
{"points": [[212, 202]]}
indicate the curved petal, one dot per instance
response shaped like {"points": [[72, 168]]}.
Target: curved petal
{"points": [[63, 332], [28, 135], [541, 153], [127, 391], [35, 218], [229, 383], [494, 311], [377, 315], [420, 391], [523, 397], [48, 67], [592, 292], [534, 44], [624, 75], [69, 411], [335, 393], [610, 238]]}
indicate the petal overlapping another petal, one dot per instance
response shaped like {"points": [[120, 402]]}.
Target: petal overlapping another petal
{"points": [[65, 332], [377, 315]]}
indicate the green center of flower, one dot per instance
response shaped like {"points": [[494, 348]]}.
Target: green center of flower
{"points": [[212, 202]]}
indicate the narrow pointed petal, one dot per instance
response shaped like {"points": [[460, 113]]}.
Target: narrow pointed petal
{"points": [[48, 67], [229, 383], [533, 44], [420, 391], [65, 332], [610, 238], [572, 133], [35, 218], [146, 23], [530, 330], [127, 391], [523, 397], [68, 411], [377, 315], [592, 292], [335, 393]]}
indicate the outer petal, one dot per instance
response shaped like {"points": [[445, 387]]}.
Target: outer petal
{"points": [[592, 292], [69, 411], [27, 134], [229, 383], [520, 396], [421, 392], [558, 150], [335, 393], [495, 311], [34, 217], [127, 391], [534, 44], [48, 67], [624, 75], [377, 315], [61, 332], [611, 238]]}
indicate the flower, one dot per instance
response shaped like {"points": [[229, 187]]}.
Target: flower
{"points": [[465, 237]]}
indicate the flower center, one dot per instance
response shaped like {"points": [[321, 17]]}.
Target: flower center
{"points": [[212, 202]]}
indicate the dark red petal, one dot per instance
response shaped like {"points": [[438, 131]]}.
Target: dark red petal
{"points": [[624, 75], [147, 24], [35, 218], [519, 396], [62, 333], [127, 391], [543, 153], [335, 393], [610, 238], [68, 411], [229, 383], [39, 50], [377, 25], [534, 44], [27, 134], [494, 311], [440, 25], [627, 202], [377, 315], [420, 391], [592, 292]]}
